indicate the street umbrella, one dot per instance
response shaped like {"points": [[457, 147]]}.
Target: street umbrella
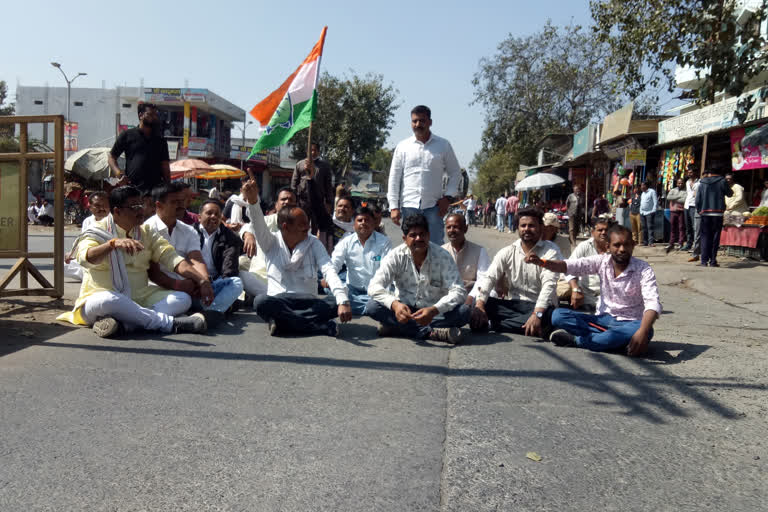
{"points": [[221, 174], [540, 180], [219, 167], [188, 168], [756, 138], [89, 163]]}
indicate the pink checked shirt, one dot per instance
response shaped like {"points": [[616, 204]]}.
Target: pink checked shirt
{"points": [[625, 297]]}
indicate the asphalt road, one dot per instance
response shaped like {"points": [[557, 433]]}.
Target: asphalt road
{"points": [[238, 420]]}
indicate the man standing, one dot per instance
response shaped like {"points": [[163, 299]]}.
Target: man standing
{"points": [[416, 176], [471, 259], [511, 209], [362, 253], [293, 261], [487, 213], [735, 204], [146, 152], [470, 204], [501, 212], [428, 302], [648, 203], [629, 299], [677, 197], [311, 181], [710, 203], [690, 208], [531, 290], [634, 216], [575, 209]]}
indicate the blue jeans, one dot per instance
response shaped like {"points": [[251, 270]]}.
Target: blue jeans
{"points": [[617, 333], [226, 290], [457, 317], [511, 218], [358, 299], [500, 222], [293, 313], [435, 221], [647, 223]]}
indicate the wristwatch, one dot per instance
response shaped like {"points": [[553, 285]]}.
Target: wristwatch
{"points": [[577, 290], [539, 314], [345, 303]]}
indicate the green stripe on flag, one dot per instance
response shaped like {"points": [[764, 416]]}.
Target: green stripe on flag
{"points": [[303, 114]]}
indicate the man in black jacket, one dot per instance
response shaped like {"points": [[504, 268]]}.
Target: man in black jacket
{"points": [[710, 204], [221, 250]]}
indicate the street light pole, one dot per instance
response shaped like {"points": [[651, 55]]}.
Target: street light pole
{"points": [[69, 84], [246, 123]]}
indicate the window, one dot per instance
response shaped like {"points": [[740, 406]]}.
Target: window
{"points": [[126, 105], [38, 102], [78, 103]]}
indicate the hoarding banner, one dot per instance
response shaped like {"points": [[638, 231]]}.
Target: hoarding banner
{"points": [[634, 157], [10, 222], [70, 136], [747, 157]]}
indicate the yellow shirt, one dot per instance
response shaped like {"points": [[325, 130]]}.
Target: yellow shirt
{"points": [[98, 277]]}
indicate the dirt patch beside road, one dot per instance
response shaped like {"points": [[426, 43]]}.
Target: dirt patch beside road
{"points": [[26, 321]]}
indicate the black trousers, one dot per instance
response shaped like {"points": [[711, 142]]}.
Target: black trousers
{"points": [[511, 315], [298, 314]]}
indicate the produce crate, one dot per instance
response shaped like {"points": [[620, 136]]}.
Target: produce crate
{"points": [[757, 220]]}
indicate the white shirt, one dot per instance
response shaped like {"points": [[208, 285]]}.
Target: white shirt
{"points": [[89, 221], [438, 282], [470, 204], [207, 252], [589, 284], [764, 198], [524, 281], [45, 209], [258, 263], [483, 262], [362, 261], [690, 198], [294, 271], [183, 238], [501, 205], [416, 175]]}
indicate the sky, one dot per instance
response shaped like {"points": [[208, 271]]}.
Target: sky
{"points": [[242, 50]]}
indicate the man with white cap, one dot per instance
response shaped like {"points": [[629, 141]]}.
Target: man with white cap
{"points": [[551, 232]]}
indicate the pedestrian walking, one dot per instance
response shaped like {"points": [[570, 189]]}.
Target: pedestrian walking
{"points": [[691, 184], [416, 175], [512, 204], [676, 197], [501, 211]]}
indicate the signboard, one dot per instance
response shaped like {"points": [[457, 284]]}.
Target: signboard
{"points": [[708, 119], [186, 125], [617, 150], [617, 123], [634, 157], [193, 153], [160, 95], [584, 140], [173, 149], [70, 136], [9, 206], [199, 143], [747, 157]]}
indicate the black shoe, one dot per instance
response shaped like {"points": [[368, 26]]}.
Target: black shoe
{"points": [[714, 264], [272, 328], [193, 324], [333, 329], [107, 327], [386, 331], [562, 338], [213, 318], [669, 248]]}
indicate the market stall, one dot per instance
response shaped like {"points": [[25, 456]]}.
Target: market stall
{"points": [[749, 238]]}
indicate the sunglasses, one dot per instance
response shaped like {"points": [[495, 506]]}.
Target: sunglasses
{"points": [[135, 207]]}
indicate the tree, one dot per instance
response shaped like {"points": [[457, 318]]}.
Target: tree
{"points": [[649, 38], [381, 160], [354, 116], [6, 110], [556, 80]]}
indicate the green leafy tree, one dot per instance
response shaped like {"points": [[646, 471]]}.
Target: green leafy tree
{"points": [[381, 160], [354, 116], [556, 80], [648, 38], [6, 110]]}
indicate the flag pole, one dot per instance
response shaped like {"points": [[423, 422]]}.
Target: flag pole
{"points": [[310, 165]]}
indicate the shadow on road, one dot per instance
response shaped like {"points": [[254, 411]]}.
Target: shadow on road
{"points": [[645, 395]]}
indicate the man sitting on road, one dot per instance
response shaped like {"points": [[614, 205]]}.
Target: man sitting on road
{"points": [[361, 252], [629, 299], [293, 259], [254, 275], [551, 232], [343, 222], [471, 259], [429, 303], [98, 204], [115, 293], [583, 292], [531, 290]]}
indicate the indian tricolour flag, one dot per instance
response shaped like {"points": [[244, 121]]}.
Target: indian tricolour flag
{"points": [[291, 107]]}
